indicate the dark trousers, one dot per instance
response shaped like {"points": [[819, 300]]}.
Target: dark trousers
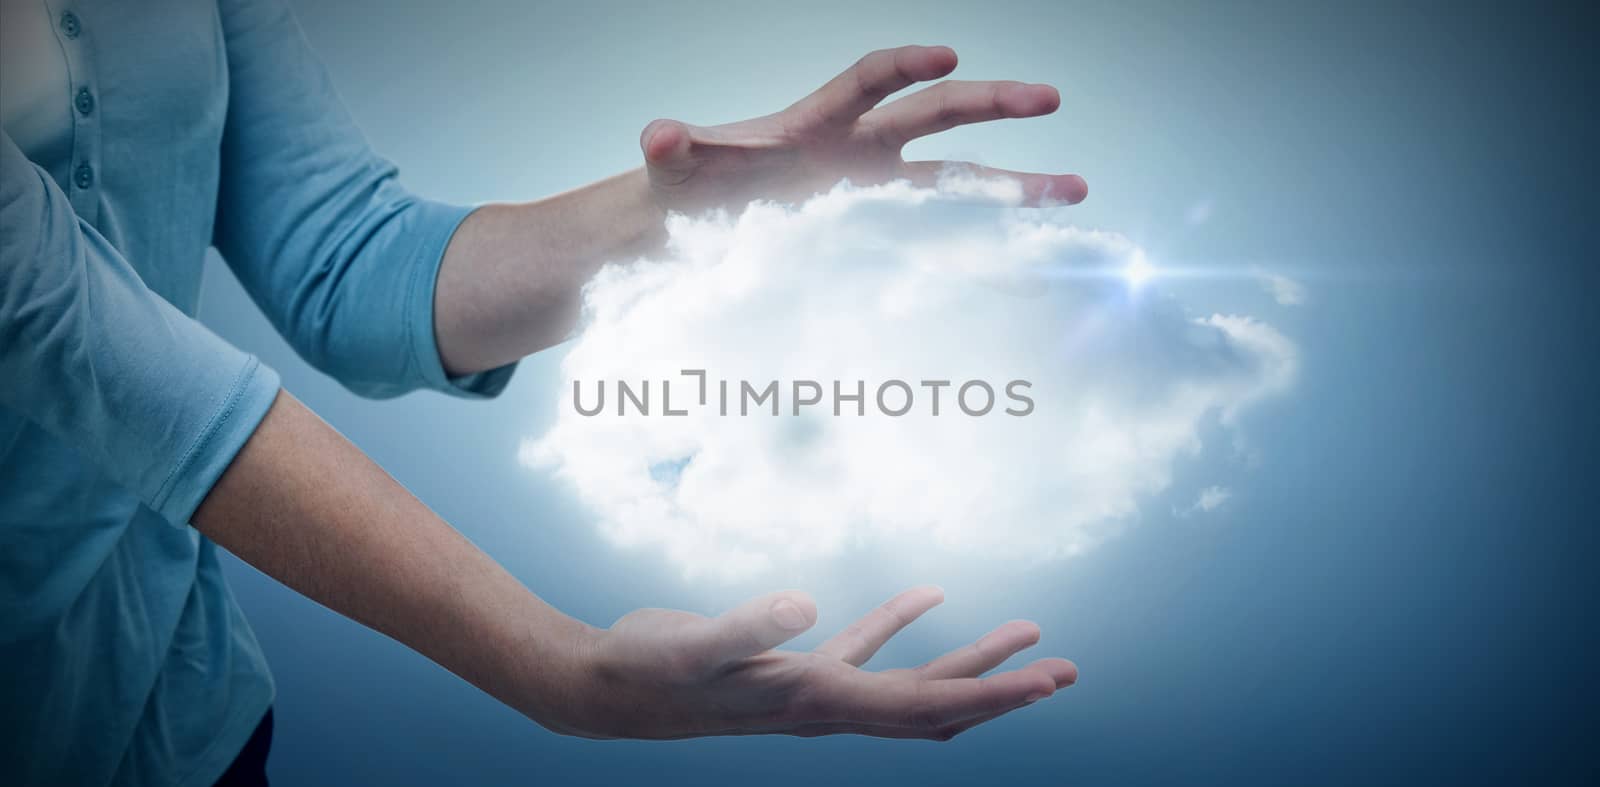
{"points": [[249, 769]]}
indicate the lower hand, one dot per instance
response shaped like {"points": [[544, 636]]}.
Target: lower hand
{"points": [[660, 673]]}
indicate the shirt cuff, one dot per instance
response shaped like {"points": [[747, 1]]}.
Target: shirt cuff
{"points": [[437, 224], [232, 423]]}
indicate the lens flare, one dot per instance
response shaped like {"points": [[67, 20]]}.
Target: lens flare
{"points": [[1138, 271]]}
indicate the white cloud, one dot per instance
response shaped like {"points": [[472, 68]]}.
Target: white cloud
{"points": [[1210, 499], [1284, 290], [873, 284]]}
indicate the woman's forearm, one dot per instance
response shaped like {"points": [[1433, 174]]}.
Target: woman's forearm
{"points": [[510, 282], [305, 506]]}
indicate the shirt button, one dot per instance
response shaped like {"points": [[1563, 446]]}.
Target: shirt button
{"points": [[70, 27], [84, 176], [84, 101]]}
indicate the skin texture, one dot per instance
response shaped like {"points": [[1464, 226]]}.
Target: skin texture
{"points": [[306, 507]]}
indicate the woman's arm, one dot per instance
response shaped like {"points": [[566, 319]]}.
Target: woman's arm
{"points": [[509, 283], [140, 390], [317, 226], [306, 507]]}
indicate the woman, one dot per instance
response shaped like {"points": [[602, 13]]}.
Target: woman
{"points": [[133, 441]]}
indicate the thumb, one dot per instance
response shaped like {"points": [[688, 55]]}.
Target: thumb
{"points": [[665, 143], [759, 625]]}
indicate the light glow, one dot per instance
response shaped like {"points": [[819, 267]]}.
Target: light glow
{"points": [[958, 282], [1138, 270]]}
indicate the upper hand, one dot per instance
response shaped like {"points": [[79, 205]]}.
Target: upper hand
{"points": [[840, 131], [660, 673]]}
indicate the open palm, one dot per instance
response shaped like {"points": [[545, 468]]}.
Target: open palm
{"points": [[667, 674]]}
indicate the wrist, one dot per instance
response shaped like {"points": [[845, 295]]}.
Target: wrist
{"points": [[642, 210], [559, 680]]}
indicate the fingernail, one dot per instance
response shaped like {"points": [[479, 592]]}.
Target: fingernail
{"points": [[788, 615], [1035, 697]]}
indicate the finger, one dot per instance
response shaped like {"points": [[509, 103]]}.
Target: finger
{"points": [[864, 637], [955, 103], [885, 699], [871, 80], [1037, 189], [756, 626], [1062, 672], [988, 652]]}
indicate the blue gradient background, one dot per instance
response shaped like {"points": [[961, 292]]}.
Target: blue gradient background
{"points": [[1398, 593]]}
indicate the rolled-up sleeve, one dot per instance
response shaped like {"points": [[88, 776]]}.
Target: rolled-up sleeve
{"points": [[96, 358], [341, 258]]}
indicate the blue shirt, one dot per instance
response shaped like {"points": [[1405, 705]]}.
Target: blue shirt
{"points": [[137, 135]]}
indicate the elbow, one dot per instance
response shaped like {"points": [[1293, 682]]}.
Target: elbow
{"points": [[370, 358], [363, 375], [363, 314]]}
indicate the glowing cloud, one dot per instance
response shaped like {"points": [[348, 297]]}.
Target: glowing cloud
{"points": [[859, 287]]}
